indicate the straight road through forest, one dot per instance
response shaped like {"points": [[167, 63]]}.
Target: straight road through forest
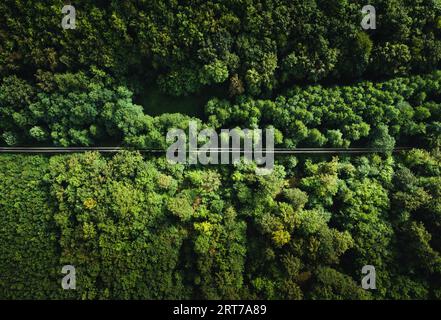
{"points": [[55, 150]]}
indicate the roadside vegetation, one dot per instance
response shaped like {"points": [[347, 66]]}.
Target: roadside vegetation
{"points": [[137, 227]]}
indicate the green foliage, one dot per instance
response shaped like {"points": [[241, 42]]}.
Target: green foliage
{"points": [[216, 72], [29, 265], [380, 115], [137, 227], [187, 45], [332, 285]]}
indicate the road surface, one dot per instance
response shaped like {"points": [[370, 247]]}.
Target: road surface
{"points": [[57, 150]]}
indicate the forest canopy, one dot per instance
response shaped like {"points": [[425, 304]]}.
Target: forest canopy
{"points": [[144, 229], [85, 109], [136, 226], [254, 46]]}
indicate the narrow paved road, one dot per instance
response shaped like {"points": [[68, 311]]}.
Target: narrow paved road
{"points": [[55, 150]]}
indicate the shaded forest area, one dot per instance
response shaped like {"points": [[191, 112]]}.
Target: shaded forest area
{"points": [[255, 46]]}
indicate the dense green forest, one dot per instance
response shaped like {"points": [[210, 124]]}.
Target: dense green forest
{"points": [[142, 228], [138, 227], [251, 45]]}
